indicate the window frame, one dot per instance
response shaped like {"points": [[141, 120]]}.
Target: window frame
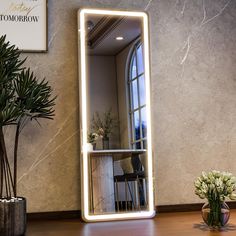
{"points": [[132, 134]]}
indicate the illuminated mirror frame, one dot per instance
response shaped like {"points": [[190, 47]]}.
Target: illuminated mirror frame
{"points": [[150, 212]]}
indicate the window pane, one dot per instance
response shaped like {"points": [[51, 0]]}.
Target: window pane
{"points": [[134, 94], [136, 125], [138, 145], [142, 90], [144, 122], [133, 68], [140, 59], [137, 90]]}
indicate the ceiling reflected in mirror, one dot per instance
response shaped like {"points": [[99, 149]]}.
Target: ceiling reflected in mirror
{"points": [[106, 31]]}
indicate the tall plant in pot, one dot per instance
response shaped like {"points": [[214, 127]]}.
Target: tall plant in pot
{"points": [[23, 98]]}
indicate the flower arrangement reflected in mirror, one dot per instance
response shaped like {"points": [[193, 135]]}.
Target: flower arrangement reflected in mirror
{"points": [[103, 125], [215, 186]]}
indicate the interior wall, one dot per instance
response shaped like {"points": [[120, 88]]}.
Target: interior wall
{"points": [[102, 92], [123, 97], [193, 101]]}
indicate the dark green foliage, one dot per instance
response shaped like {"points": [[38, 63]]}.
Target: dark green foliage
{"points": [[33, 97], [10, 64]]}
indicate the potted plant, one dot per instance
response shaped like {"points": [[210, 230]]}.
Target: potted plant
{"points": [[23, 98], [215, 186], [104, 125]]}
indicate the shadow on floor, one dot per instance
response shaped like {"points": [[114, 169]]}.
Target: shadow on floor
{"points": [[202, 226]]}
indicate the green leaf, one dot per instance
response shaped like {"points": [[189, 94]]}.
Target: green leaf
{"points": [[9, 114], [34, 96]]}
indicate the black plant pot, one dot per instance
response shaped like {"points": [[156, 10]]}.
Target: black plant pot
{"points": [[13, 216]]}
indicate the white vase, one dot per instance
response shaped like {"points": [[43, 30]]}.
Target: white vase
{"points": [[89, 147]]}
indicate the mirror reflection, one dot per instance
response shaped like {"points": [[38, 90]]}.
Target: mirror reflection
{"points": [[117, 124]]}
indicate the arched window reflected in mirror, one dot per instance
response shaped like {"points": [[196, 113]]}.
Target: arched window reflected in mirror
{"points": [[137, 94]]}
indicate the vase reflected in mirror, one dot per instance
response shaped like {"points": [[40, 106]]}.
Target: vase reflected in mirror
{"points": [[105, 143], [94, 146]]}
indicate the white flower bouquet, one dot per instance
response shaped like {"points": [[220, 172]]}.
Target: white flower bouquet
{"points": [[215, 186]]}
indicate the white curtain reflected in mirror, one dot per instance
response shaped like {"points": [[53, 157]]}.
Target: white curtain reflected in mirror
{"points": [[117, 162]]}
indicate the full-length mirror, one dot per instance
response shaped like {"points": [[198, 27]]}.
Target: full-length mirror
{"points": [[115, 115]]}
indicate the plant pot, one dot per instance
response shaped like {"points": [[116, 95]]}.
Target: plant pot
{"points": [[94, 146], [105, 143], [215, 214], [13, 216]]}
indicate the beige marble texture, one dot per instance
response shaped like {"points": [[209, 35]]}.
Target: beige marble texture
{"points": [[102, 184], [193, 57]]}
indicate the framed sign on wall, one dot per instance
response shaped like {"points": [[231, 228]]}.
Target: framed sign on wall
{"points": [[25, 24]]}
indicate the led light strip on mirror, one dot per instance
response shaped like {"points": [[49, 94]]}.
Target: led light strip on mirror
{"points": [[150, 212]]}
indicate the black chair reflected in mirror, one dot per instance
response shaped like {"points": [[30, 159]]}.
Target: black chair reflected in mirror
{"points": [[135, 185]]}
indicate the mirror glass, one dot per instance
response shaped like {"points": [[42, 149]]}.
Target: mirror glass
{"points": [[117, 114]]}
